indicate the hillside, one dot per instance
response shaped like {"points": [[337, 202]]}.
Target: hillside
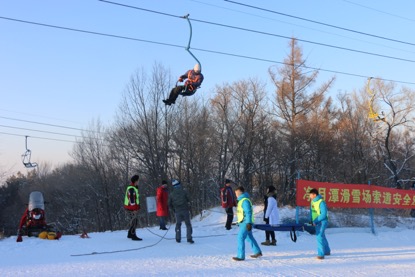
{"points": [[355, 252]]}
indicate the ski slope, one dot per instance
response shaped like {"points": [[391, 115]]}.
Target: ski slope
{"points": [[355, 252]]}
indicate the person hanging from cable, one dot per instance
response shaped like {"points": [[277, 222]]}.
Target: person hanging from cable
{"points": [[194, 80]]}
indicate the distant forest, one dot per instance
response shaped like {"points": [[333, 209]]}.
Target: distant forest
{"points": [[245, 133]]}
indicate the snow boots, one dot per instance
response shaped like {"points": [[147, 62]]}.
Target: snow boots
{"points": [[169, 102], [268, 243], [257, 255], [132, 235]]}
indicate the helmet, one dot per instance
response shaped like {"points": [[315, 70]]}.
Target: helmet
{"points": [[196, 68]]}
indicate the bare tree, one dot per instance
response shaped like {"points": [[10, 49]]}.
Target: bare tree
{"points": [[398, 108], [250, 108], [225, 121], [143, 127], [92, 152], [293, 104], [352, 131], [193, 155]]}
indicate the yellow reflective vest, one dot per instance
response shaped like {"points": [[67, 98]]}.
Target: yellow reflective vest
{"points": [[240, 211], [315, 209], [127, 204]]}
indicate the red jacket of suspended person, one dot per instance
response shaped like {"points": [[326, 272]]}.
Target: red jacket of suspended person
{"points": [[162, 198]]}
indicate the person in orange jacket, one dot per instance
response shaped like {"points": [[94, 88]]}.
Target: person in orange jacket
{"points": [[194, 80]]}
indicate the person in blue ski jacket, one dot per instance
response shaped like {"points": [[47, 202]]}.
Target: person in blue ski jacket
{"points": [[319, 218], [245, 217]]}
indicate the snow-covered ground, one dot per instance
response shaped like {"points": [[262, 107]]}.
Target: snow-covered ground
{"points": [[355, 252]]}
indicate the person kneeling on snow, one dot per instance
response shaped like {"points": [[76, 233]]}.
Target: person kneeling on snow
{"points": [[33, 224]]}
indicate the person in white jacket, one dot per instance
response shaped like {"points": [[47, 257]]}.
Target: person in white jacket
{"points": [[271, 215]]}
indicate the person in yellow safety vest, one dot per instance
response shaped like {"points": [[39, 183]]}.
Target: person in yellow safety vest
{"points": [[132, 206], [319, 219], [245, 217]]}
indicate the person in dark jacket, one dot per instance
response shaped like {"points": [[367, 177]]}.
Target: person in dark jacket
{"points": [[194, 80], [132, 206], [179, 204], [228, 202], [162, 204]]}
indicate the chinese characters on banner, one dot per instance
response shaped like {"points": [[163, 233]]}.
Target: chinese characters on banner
{"points": [[356, 195]]}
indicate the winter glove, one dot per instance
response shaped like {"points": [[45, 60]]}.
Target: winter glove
{"points": [[249, 227], [19, 238]]}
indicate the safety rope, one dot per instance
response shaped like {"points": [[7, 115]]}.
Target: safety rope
{"points": [[123, 250]]}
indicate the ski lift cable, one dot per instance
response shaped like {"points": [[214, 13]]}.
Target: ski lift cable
{"points": [[166, 14], [47, 124], [321, 23], [199, 49], [18, 135], [53, 133], [265, 33], [41, 131]]}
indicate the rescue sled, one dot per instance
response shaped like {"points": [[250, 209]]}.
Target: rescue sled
{"points": [[292, 228]]}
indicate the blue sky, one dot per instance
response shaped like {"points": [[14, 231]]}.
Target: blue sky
{"points": [[57, 77]]}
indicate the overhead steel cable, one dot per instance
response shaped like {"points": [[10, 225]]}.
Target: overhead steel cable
{"points": [[321, 23], [87, 32], [262, 33], [40, 131], [306, 41], [18, 135], [49, 132], [300, 26], [142, 9], [379, 11], [198, 49], [47, 124]]}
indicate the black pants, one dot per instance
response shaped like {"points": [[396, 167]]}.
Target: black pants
{"points": [[174, 93], [269, 234], [229, 217]]}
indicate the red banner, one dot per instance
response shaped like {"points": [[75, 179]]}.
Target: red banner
{"points": [[356, 195]]}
